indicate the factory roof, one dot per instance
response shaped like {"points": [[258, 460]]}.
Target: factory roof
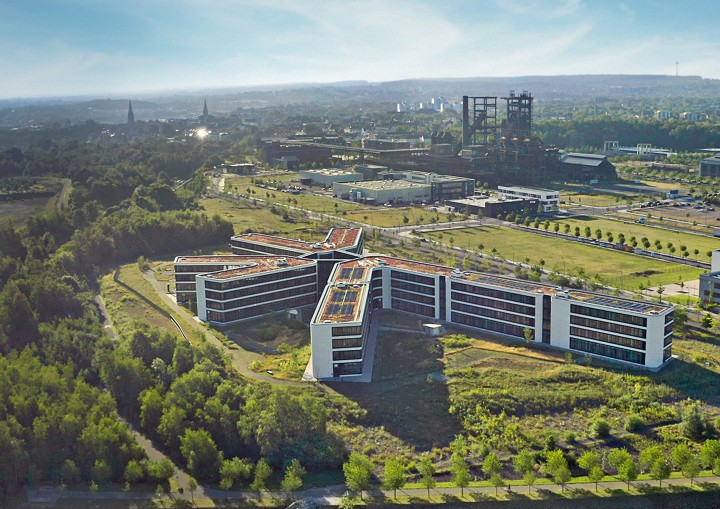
{"points": [[378, 185], [582, 159], [526, 189]]}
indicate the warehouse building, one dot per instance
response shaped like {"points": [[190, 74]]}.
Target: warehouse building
{"points": [[494, 207], [384, 191], [326, 177]]}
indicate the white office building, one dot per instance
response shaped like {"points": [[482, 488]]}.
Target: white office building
{"points": [[549, 199]]}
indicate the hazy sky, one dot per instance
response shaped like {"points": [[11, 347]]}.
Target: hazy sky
{"points": [[68, 47]]}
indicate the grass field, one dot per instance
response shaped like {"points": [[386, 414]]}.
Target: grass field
{"points": [[701, 242], [615, 268], [256, 218], [125, 308], [507, 394]]}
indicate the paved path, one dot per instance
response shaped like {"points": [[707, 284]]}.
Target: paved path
{"points": [[331, 495]]}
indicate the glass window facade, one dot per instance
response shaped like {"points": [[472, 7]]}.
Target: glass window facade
{"points": [[607, 351], [608, 338], [608, 326], [484, 323], [605, 314], [494, 293]]}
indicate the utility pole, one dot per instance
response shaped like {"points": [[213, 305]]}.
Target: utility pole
{"points": [[676, 68]]}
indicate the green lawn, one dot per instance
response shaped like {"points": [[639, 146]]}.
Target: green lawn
{"points": [[702, 242], [618, 269]]}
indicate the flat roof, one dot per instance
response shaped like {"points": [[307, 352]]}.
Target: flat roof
{"points": [[622, 304], [258, 265], [209, 259], [344, 299], [337, 238], [377, 185], [332, 171], [526, 189]]}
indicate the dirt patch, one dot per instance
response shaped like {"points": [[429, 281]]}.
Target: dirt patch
{"points": [[646, 273]]}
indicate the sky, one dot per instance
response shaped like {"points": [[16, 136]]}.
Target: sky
{"points": [[122, 47]]}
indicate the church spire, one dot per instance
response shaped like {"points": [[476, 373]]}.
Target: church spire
{"points": [[205, 110], [131, 115]]}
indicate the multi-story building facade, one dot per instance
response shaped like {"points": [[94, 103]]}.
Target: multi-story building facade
{"points": [[346, 287], [618, 329], [549, 199]]}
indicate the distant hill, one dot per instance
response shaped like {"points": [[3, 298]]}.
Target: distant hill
{"points": [[226, 100]]}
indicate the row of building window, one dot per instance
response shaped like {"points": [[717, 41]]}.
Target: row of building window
{"points": [[256, 280], [669, 328], [240, 314], [608, 338], [264, 297], [347, 368], [491, 292], [347, 355], [353, 330], [609, 315], [254, 289], [608, 326], [186, 277], [412, 307], [492, 303], [347, 342], [667, 353], [484, 323], [243, 247], [185, 287], [422, 299], [413, 287], [670, 317], [607, 351], [493, 313], [668, 340], [413, 278]]}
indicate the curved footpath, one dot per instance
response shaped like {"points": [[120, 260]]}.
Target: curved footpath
{"points": [[239, 358]]}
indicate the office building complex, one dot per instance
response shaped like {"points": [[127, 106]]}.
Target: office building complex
{"points": [[270, 274]]}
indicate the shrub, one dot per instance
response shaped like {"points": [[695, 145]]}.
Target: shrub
{"points": [[634, 423], [601, 428]]}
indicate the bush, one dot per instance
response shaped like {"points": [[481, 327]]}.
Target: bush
{"points": [[634, 423], [601, 428]]}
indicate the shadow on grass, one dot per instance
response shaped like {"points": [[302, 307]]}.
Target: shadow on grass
{"points": [[708, 486], [480, 497], [580, 493], [407, 406], [647, 489], [545, 494], [692, 380]]}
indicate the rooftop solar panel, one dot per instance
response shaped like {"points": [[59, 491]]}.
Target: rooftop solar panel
{"points": [[345, 272], [621, 304], [358, 272]]}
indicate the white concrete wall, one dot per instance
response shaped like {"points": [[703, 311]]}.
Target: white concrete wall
{"points": [[654, 341], [560, 323], [322, 363], [200, 292], [715, 263]]}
